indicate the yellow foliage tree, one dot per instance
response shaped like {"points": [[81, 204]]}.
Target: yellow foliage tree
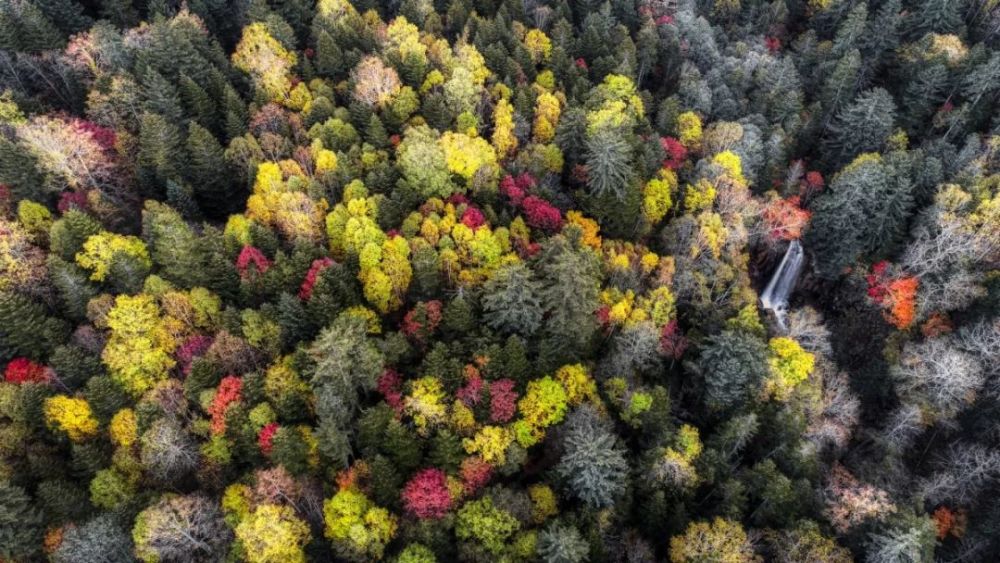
{"points": [[538, 44], [504, 140], [689, 129], [722, 541], [99, 250], [124, 428], [657, 195], [466, 155], [547, 111], [789, 365], [71, 415], [138, 351], [273, 534], [359, 529], [265, 59]]}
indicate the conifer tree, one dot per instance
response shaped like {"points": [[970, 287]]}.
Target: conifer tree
{"points": [[510, 301]]}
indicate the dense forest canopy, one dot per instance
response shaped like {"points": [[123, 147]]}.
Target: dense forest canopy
{"points": [[479, 280]]}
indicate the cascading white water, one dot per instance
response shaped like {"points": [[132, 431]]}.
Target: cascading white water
{"points": [[775, 296]]}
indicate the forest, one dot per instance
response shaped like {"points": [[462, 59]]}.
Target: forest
{"points": [[566, 281]]}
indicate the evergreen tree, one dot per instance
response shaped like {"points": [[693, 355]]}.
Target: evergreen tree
{"points": [[593, 464], [865, 210], [26, 329], [863, 126], [21, 523], [733, 366], [24, 26], [207, 172], [160, 152], [510, 301]]}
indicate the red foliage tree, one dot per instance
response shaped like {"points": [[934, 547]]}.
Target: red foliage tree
{"points": [[23, 370], [503, 400], [72, 200], [949, 522], [421, 321], [318, 265], [191, 348], [473, 218], [475, 473], [676, 153], [541, 214], [896, 295], [784, 219], [251, 256], [672, 341], [229, 392], [426, 495], [265, 438], [471, 392], [390, 385]]}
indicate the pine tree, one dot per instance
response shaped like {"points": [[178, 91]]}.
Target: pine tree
{"points": [[560, 543], [235, 113], [842, 83], [18, 169], [923, 94], [609, 163], [569, 294], [26, 27], [375, 134], [67, 15], [173, 246], [72, 285], [864, 211], [119, 12], [934, 16]]}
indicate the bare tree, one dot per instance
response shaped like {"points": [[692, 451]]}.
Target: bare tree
{"points": [[966, 469], [374, 83], [806, 327], [834, 427], [937, 373]]}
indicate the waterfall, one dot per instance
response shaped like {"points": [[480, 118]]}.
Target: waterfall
{"points": [[775, 296]]}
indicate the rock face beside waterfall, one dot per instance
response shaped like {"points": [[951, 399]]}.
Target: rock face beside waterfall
{"points": [[782, 283]]}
